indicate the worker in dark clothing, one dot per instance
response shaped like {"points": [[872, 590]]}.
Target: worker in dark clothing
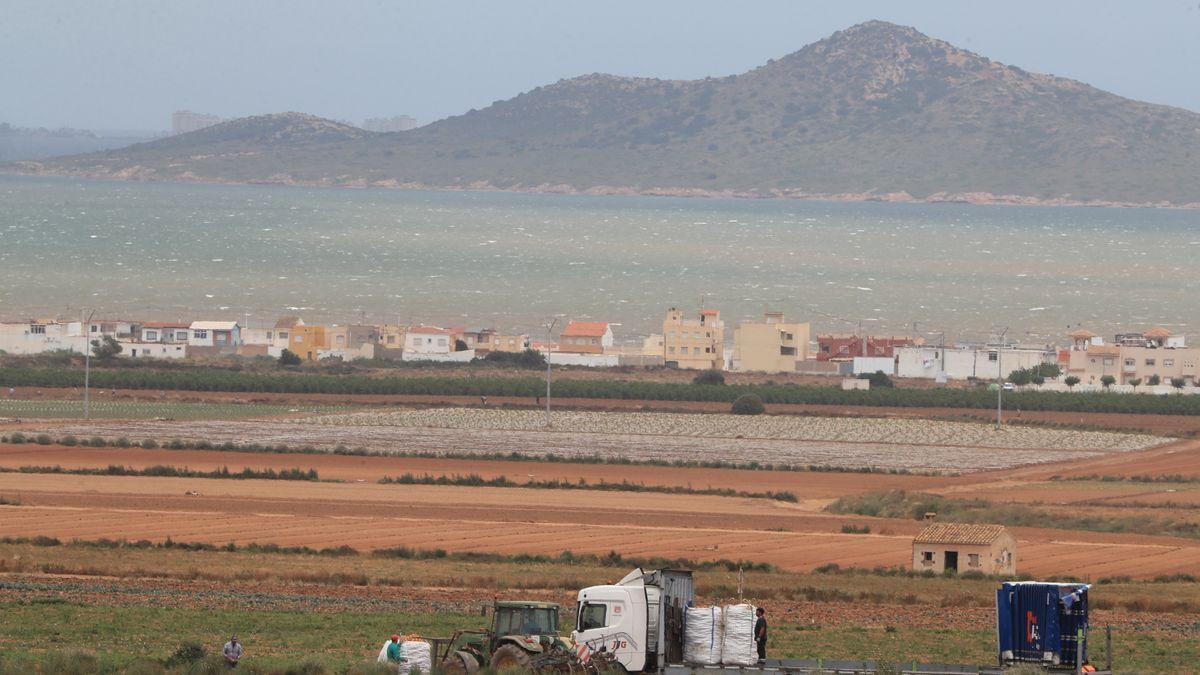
{"points": [[760, 634]]}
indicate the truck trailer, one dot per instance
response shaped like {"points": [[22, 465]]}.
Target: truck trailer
{"points": [[637, 625]]}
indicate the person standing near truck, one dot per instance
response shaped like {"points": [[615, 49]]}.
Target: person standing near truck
{"points": [[760, 634]]}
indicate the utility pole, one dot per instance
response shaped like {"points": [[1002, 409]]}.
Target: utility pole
{"points": [[1000, 378], [86, 329], [549, 349]]}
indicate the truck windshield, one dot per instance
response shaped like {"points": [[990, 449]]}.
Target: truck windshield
{"points": [[526, 621]]}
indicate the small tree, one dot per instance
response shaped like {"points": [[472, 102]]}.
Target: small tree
{"points": [[709, 377], [1178, 382], [1134, 382], [748, 404], [1071, 381], [289, 358], [878, 379], [105, 348], [1108, 381], [1154, 380]]}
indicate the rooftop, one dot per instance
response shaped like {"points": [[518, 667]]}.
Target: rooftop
{"points": [[213, 325], [959, 533], [167, 324], [586, 329], [1081, 334], [1158, 332], [289, 322], [432, 330]]}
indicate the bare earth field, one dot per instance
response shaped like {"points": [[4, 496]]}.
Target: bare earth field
{"points": [[512, 520]]}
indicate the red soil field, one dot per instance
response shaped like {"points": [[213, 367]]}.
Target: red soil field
{"points": [[511, 520]]}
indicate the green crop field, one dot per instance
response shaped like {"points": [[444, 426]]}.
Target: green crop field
{"points": [[140, 410]]}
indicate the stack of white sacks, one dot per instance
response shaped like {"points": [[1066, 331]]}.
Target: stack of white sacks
{"points": [[714, 636]]}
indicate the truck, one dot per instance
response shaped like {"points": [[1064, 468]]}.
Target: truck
{"points": [[636, 625]]}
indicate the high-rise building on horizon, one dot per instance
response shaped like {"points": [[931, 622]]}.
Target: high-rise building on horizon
{"points": [[390, 124], [183, 121]]}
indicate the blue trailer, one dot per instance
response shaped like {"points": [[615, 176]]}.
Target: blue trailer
{"points": [[1043, 623]]}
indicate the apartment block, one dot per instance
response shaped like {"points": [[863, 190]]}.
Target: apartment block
{"points": [[770, 346], [698, 343]]}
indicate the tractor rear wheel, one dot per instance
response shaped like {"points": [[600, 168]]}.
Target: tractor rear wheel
{"points": [[460, 663], [511, 658]]}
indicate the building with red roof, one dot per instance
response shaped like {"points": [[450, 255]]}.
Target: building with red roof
{"points": [[585, 337]]}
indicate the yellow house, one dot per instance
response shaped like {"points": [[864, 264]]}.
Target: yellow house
{"points": [[772, 346], [1154, 353], [697, 344], [959, 547], [510, 343], [306, 341]]}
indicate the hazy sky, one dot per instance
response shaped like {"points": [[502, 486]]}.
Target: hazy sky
{"points": [[112, 64]]}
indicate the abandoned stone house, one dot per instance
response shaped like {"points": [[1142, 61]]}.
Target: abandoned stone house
{"points": [[989, 549]]}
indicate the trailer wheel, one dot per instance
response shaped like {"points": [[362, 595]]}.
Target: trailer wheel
{"points": [[460, 663], [511, 657]]}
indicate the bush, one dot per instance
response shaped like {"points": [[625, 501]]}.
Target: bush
{"points": [[1154, 380], [748, 404], [1108, 381], [529, 358], [878, 380], [1071, 381], [289, 358], [188, 653], [709, 377]]}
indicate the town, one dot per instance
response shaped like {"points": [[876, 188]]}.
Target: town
{"points": [[1152, 361]]}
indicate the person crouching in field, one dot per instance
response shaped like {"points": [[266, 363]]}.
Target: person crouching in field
{"points": [[232, 652]]}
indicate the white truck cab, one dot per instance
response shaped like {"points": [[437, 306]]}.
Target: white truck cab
{"points": [[639, 619]]}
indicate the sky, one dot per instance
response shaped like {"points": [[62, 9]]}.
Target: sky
{"points": [[128, 64]]}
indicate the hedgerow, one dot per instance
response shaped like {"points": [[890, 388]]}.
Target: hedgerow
{"points": [[530, 387]]}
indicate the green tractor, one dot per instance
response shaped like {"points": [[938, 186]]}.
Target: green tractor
{"points": [[523, 637]]}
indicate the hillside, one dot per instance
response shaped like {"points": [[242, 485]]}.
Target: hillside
{"points": [[874, 111]]}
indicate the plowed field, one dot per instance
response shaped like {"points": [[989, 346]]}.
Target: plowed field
{"points": [[512, 520]]}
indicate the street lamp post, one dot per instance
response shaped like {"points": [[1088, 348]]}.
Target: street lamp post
{"points": [[87, 361], [1000, 379], [549, 349]]}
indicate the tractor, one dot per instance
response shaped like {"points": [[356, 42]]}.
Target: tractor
{"points": [[523, 636]]}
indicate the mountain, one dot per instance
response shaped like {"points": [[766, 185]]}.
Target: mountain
{"points": [[876, 111]]}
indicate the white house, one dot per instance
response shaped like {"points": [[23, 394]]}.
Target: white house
{"points": [[962, 362], [141, 349], [214, 334], [431, 343], [37, 336], [428, 340]]}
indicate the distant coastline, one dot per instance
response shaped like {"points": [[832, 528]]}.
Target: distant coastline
{"points": [[140, 174]]}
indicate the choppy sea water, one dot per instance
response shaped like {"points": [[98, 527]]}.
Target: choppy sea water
{"points": [[154, 250]]}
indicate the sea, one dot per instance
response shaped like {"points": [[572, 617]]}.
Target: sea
{"points": [[517, 261]]}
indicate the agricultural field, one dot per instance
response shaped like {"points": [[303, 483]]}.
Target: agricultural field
{"points": [[140, 603], [849, 430], [103, 408], [886, 444]]}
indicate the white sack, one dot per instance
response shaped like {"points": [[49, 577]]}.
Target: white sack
{"points": [[738, 647], [702, 632], [383, 652], [418, 656]]}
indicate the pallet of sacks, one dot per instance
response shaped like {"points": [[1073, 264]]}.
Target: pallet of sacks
{"points": [[714, 636]]}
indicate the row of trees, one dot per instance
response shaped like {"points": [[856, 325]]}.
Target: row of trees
{"points": [[201, 379]]}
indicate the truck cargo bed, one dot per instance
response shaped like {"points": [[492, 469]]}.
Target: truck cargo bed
{"points": [[832, 667]]}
